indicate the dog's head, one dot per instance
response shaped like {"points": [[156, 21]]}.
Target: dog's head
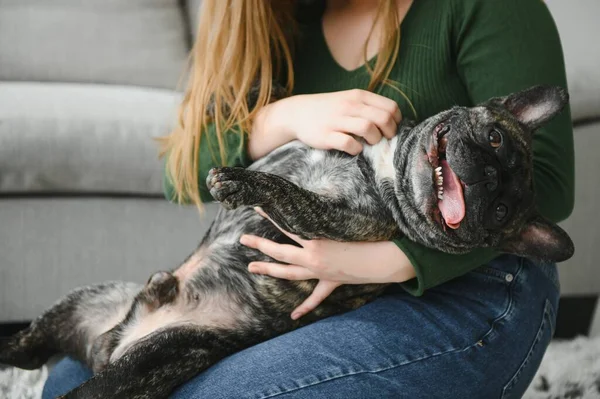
{"points": [[470, 177]]}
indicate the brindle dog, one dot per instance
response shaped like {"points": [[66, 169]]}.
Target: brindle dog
{"points": [[459, 180]]}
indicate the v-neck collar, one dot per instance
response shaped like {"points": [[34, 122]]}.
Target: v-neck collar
{"points": [[330, 57], [362, 68]]}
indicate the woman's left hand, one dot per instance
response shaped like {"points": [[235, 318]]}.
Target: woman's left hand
{"points": [[333, 263]]}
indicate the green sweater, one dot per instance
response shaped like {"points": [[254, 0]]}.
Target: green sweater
{"points": [[453, 52]]}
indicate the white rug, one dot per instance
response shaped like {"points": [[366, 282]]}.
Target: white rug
{"points": [[22, 384], [570, 370]]}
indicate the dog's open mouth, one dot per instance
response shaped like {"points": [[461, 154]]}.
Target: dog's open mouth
{"points": [[451, 202]]}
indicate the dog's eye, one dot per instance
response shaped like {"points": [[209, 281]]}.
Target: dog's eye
{"points": [[501, 212], [495, 138]]}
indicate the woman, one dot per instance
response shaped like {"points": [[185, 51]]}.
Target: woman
{"points": [[468, 326]]}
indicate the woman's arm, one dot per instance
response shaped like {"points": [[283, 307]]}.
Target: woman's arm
{"points": [[319, 120]]}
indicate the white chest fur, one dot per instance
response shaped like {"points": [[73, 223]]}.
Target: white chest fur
{"points": [[381, 157]]}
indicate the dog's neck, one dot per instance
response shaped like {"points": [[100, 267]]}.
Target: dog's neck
{"points": [[388, 163], [381, 158]]}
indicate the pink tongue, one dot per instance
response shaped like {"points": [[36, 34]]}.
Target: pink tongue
{"points": [[453, 204]]}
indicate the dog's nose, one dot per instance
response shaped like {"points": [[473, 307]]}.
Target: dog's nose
{"points": [[491, 174]]}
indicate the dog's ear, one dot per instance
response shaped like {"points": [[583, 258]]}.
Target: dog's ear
{"points": [[540, 240], [535, 106]]}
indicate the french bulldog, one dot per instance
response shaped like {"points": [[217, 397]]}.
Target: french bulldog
{"points": [[459, 180]]}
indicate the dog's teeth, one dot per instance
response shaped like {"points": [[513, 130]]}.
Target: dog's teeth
{"points": [[441, 197], [438, 169]]}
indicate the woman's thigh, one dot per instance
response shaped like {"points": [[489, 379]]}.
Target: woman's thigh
{"points": [[481, 335]]}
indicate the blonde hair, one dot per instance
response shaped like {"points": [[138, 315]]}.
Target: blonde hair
{"points": [[240, 43]]}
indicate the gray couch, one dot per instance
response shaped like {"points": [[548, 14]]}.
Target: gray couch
{"points": [[86, 85]]}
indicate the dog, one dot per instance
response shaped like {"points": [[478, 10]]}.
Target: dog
{"points": [[459, 180]]}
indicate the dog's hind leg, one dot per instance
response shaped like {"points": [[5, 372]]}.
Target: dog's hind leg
{"points": [[70, 326], [161, 289], [156, 365]]}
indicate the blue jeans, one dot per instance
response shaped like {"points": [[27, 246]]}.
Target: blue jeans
{"points": [[481, 335]]}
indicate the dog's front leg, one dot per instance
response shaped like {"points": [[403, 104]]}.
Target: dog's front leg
{"points": [[70, 326], [297, 210]]}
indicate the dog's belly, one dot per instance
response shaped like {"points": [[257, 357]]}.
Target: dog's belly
{"points": [[190, 267], [203, 299]]}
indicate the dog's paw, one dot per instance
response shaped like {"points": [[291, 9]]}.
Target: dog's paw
{"points": [[231, 187]]}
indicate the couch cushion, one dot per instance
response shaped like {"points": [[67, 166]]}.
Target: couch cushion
{"points": [[578, 26], [193, 15], [133, 42], [67, 138]]}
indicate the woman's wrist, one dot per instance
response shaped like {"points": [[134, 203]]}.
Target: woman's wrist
{"points": [[400, 266], [270, 129]]}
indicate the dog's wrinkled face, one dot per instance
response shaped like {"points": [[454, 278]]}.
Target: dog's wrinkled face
{"points": [[472, 178]]}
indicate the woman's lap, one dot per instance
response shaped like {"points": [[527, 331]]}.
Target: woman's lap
{"points": [[476, 336]]}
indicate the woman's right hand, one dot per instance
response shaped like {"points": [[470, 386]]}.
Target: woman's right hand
{"points": [[328, 120], [325, 121]]}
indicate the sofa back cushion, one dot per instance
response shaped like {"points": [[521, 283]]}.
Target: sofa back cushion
{"points": [[193, 14], [132, 42], [578, 27]]}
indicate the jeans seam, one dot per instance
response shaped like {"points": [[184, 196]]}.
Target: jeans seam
{"points": [[509, 306], [457, 350], [491, 272], [374, 371], [546, 318]]}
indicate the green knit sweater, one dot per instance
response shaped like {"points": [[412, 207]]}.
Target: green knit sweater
{"points": [[453, 52]]}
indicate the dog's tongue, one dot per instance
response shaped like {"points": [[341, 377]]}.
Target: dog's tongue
{"points": [[453, 204]]}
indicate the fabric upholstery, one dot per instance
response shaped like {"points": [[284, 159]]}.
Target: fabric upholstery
{"points": [[49, 246], [193, 14], [77, 138], [580, 274], [134, 42], [578, 26]]}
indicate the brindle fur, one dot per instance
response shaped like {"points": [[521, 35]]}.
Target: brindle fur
{"points": [[143, 341]]}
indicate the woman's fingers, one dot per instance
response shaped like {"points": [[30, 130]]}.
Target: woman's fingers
{"points": [[343, 142], [287, 272], [359, 126], [282, 252], [384, 120], [381, 102], [323, 289]]}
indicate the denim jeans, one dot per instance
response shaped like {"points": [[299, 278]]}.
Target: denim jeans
{"points": [[481, 335]]}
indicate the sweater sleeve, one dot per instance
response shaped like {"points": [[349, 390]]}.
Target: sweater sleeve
{"points": [[209, 157], [503, 46]]}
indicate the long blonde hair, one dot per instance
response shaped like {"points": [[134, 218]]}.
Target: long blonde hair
{"points": [[238, 43]]}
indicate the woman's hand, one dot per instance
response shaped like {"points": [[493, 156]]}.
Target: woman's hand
{"points": [[333, 263], [325, 121]]}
